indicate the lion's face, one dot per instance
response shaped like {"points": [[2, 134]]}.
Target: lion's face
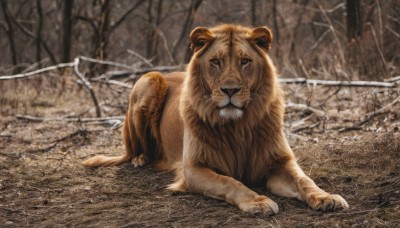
{"points": [[229, 65]]}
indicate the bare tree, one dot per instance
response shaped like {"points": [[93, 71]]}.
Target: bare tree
{"points": [[67, 25], [159, 29], [10, 32], [39, 31], [292, 51], [354, 26], [195, 4], [276, 29], [101, 40], [254, 12], [32, 35]]}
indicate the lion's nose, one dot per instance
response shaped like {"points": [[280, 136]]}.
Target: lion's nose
{"points": [[230, 91]]}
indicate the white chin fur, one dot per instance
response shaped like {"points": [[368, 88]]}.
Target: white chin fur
{"points": [[231, 113]]}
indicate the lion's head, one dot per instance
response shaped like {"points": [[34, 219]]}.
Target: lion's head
{"points": [[230, 76]]}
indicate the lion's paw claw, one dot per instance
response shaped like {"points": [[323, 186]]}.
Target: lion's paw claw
{"points": [[260, 205], [328, 202], [140, 160]]}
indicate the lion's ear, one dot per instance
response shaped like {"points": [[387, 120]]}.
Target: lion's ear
{"points": [[262, 37], [199, 37]]}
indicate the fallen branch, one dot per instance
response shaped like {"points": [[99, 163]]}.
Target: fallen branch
{"points": [[394, 79], [147, 61], [386, 108], [66, 119], [371, 115], [311, 126], [87, 84], [392, 82], [114, 74], [303, 107], [336, 83], [159, 68], [29, 74], [113, 82], [104, 62], [55, 142]]}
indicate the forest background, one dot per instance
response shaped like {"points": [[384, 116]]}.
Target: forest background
{"points": [[338, 40]]}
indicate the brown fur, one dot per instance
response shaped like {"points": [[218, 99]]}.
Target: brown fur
{"points": [[219, 125]]}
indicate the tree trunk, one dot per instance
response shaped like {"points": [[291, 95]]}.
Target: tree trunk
{"points": [[149, 28], [354, 29], [101, 37], [39, 32], [103, 25], [191, 16], [153, 31], [10, 32], [253, 13], [276, 34], [195, 4], [67, 25]]}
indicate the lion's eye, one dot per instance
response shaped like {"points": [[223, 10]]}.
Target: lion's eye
{"points": [[215, 62], [245, 61]]}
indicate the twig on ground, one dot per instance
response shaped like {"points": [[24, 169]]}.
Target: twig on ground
{"points": [[113, 82], [83, 120], [104, 62], [337, 83], [55, 142], [88, 86], [394, 79], [386, 108], [114, 74], [303, 107], [305, 127], [117, 96], [301, 124], [329, 97], [371, 115], [36, 72]]}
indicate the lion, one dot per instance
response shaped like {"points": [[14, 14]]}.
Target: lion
{"points": [[219, 125]]}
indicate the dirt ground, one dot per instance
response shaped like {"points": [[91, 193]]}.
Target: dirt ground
{"points": [[349, 144]]}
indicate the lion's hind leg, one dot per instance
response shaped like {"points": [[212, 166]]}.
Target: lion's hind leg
{"points": [[290, 181], [140, 132], [145, 108]]}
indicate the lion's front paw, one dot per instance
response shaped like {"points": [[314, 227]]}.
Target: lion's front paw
{"points": [[140, 160], [259, 205], [327, 202]]}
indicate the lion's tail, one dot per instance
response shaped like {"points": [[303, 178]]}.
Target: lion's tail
{"points": [[100, 160]]}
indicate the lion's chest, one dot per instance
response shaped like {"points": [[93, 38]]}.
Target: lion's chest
{"points": [[242, 153]]}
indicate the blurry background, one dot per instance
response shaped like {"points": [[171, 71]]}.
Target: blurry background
{"points": [[338, 40]]}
